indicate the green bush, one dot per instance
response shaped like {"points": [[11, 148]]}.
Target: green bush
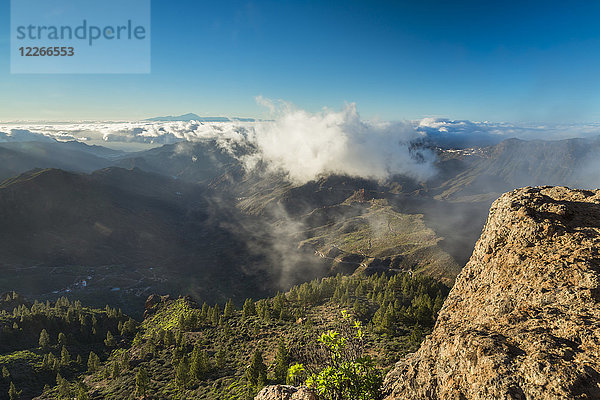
{"points": [[346, 375]]}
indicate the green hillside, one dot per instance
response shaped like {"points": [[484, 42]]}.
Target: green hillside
{"points": [[193, 351]]}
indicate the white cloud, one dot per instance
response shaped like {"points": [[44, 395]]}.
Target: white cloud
{"points": [[22, 135], [306, 145], [301, 144], [493, 132]]}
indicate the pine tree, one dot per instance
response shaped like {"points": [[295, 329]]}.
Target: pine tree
{"points": [[64, 390], [266, 314], [65, 357], [124, 360], [62, 339], [179, 339], [195, 363], [5, 373], [256, 374], [220, 358], [159, 338], [282, 363], [110, 340], [48, 361], [82, 392], [116, 369], [359, 310], [337, 295], [416, 334], [142, 382], [169, 339], [279, 303], [181, 322], [387, 321], [377, 319], [93, 362], [129, 327], [44, 340], [215, 315], [182, 373], [249, 309], [70, 317], [137, 340], [13, 393], [228, 312], [200, 363]]}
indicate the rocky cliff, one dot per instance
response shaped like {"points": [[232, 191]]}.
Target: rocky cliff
{"points": [[523, 319]]}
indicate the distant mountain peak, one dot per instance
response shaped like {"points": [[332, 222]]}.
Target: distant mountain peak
{"points": [[196, 117]]}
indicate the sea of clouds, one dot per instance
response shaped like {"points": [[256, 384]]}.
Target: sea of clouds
{"points": [[306, 145]]}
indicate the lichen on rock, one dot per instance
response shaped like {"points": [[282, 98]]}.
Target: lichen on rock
{"points": [[285, 392], [523, 318]]}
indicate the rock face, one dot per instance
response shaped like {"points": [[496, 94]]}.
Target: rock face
{"points": [[152, 303], [284, 392], [523, 319]]}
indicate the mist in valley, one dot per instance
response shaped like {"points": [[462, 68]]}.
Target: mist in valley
{"points": [[229, 209]]}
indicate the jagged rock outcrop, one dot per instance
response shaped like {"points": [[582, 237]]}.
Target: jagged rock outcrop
{"points": [[523, 318], [284, 392], [152, 303]]}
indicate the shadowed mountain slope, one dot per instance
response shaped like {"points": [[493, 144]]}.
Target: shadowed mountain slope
{"points": [[125, 228], [518, 163], [18, 157]]}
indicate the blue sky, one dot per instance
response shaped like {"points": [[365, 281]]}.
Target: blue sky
{"points": [[504, 61]]}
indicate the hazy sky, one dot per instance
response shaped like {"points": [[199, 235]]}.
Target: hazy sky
{"points": [[478, 60]]}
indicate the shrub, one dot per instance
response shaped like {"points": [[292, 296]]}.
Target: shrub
{"points": [[346, 373]]}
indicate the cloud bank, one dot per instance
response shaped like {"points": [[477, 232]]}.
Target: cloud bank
{"points": [[23, 135], [464, 133], [307, 145], [302, 145]]}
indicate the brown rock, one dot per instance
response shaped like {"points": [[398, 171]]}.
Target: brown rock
{"points": [[151, 301], [150, 305], [523, 319], [284, 392]]}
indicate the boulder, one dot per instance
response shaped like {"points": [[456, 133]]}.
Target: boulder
{"points": [[284, 392]]}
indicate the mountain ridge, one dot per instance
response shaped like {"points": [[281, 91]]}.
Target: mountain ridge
{"points": [[196, 117]]}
